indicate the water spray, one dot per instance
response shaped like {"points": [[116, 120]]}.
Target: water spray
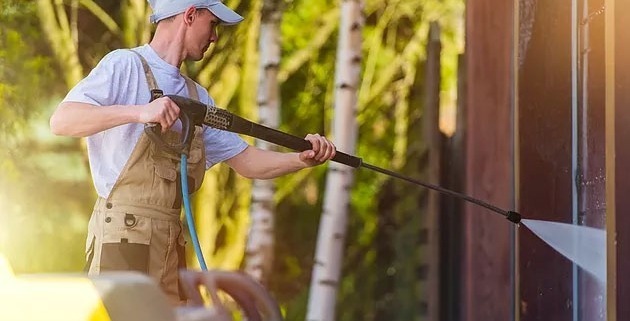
{"points": [[194, 113]]}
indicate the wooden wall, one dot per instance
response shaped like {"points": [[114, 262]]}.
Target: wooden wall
{"points": [[618, 158], [487, 263]]}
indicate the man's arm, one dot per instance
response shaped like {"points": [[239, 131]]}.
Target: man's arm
{"points": [[81, 119], [256, 163]]}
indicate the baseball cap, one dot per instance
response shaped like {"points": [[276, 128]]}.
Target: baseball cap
{"points": [[163, 9]]}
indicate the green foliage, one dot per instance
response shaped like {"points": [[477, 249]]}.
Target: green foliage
{"points": [[394, 42], [43, 189], [24, 73], [48, 235]]}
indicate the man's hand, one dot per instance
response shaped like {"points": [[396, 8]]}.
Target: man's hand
{"points": [[162, 110], [323, 150]]}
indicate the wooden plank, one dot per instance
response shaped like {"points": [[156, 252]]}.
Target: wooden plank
{"points": [[618, 158], [487, 252], [452, 168], [591, 144], [434, 146], [611, 217]]}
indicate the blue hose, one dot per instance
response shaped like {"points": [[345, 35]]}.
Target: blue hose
{"points": [[189, 215]]}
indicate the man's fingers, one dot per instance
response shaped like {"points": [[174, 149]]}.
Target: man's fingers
{"points": [[170, 111], [334, 149], [315, 143], [173, 109], [325, 150], [167, 112], [322, 148], [329, 151]]}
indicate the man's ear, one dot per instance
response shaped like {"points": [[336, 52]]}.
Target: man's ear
{"points": [[189, 15]]}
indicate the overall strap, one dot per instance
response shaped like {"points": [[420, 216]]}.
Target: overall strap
{"points": [[192, 88], [155, 91]]}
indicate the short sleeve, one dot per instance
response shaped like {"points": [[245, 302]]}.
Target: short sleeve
{"points": [[221, 145], [109, 82]]}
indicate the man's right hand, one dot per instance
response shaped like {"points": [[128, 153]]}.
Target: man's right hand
{"points": [[162, 111]]}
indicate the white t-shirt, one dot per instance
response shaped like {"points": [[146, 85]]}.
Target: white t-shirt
{"points": [[119, 79]]}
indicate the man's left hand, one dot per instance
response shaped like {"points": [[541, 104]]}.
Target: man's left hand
{"points": [[322, 150]]}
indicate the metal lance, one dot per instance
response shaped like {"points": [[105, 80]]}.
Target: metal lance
{"points": [[195, 113]]}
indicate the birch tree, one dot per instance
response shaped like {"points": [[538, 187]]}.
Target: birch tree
{"points": [[332, 228], [259, 250]]}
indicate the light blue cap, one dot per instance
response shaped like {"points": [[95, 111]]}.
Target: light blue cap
{"points": [[163, 9]]}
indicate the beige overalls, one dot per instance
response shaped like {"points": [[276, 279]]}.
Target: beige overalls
{"points": [[138, 226]]}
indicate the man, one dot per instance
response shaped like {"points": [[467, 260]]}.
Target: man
{"points": [[135, 223]]}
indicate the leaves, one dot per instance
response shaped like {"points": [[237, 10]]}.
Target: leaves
{"points": [[46, 46]]}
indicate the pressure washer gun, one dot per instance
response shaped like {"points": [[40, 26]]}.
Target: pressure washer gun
{"points": [[195, 113]]}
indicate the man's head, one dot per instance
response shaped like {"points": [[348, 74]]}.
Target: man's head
{"points": [[163, 9], [193, 22]]}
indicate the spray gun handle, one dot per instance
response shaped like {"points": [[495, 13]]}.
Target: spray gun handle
{"points": [[154, 131]]}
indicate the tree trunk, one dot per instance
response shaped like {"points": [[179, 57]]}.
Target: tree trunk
{"points": [[332, 229], [260, 242], [59, 31]]}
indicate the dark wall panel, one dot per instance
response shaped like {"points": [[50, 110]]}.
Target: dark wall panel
{"points": [[545, 163], [487, 273]]}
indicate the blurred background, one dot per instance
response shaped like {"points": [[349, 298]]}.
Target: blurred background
{"points": [[520, 103], [46, 193]]}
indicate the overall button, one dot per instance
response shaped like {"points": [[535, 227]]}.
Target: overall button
{"points": [[130, 220], [108, 219], [108, 205]]}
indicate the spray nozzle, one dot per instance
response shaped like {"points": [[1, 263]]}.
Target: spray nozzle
{"points": [[513, 217]]}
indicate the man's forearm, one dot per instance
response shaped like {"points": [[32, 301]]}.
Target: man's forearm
{"points": [[256, 163], [81, 119]]}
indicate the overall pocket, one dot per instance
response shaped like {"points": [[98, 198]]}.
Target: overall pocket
{"points": [[165, 190], [196, 160], [126, 239]]}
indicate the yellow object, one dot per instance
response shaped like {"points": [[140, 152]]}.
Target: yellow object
{"points": [[75, 297], [47, 298]]}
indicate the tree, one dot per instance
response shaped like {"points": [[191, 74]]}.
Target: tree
{"points": [[332, 230], [260, 243]]}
